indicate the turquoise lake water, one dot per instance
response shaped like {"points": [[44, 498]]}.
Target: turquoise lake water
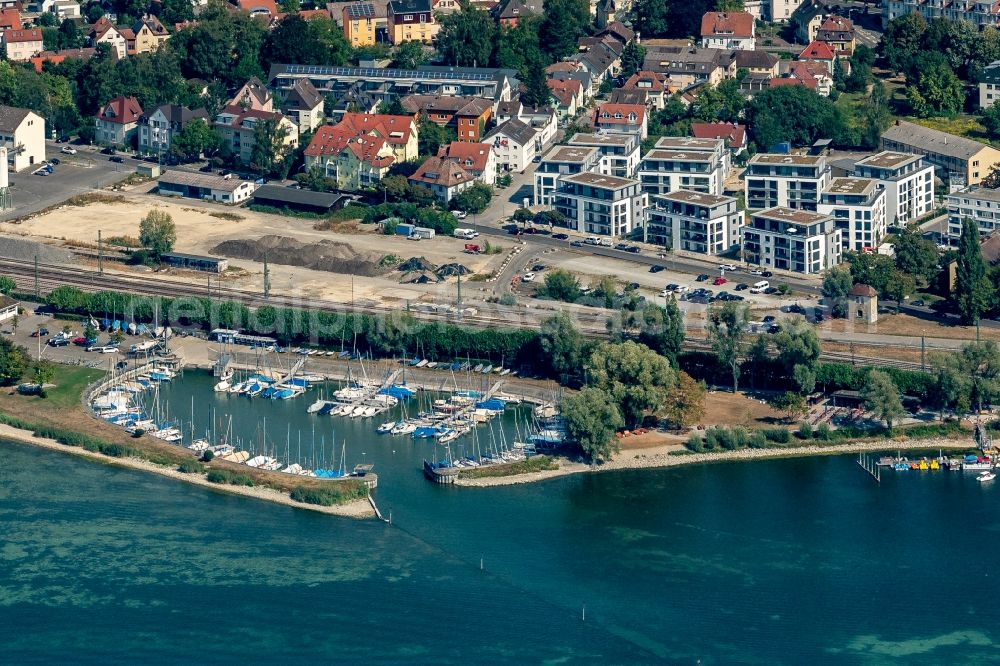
{"points": [[790, 561]]}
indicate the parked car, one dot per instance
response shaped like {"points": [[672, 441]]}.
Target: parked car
{"points": [[66, 150], [769, 319], [701, 278], [107, 150], [538, 268], [719, 280], [459, 214], [632, 286], [766, 274], [40, 333], [604, 242], [727, 267], [756, 271], [681, 288], [592, 240], [560, 236], [919, 303], [55, 161], [671, 287], [742, 286], [116, 159], [655, 268], [621, 246], [795, 308], [634, 249], [528, 277], [58, 342]]}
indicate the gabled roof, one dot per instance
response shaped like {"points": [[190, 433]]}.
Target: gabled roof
{"points": [[22, 36], [634, 96], [121, 111], [834, 23], [459, 106], [932, 141], [473, 157], [303, 95], [565, 90], [360, 10], [792, 81], [254, 6], [11, 118], [618, 30], [755, 59], [177, 114], [618, 114], [863, 290], [409, 6], [10, 18], [441, 171], [729, 24], [647, 80], [256, 90], [520, 132], [808, 69], [734, 135], [239, 115], [816, 51], [394, 129]]}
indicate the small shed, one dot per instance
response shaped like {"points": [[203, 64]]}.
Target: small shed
{"points": [[863, 303], [195, 262], [303, 201], [148, 170]]}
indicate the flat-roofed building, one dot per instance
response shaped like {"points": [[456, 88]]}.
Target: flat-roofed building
{"points": [[858, 208], [685, 163], [958, 160], [224, 189], [789, 181], [908, 181], [562, 161], [794, 240], [694, 222], [602, 205], [979, 204], [619, 152]]}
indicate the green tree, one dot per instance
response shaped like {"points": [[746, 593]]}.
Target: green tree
{"points": [[836, 288], [43, 373], [980, 363], [591, 419], [466, 37], [973, 292], [686, 404], [560, 285], [605, 288], [935, 91], [876, 116], [409, 55], [792, 113], [270, 151], [798, 346], [875, 270], [632, 56], [902, 40], [157, 232], [7, 284], [916, 256], [950, 386], [881, 397], [638, 380], [564, 22], [990, 119], [562, 345], [297, 41], [431, 136], [900, 287], [725, 333], [653, 18], [13, 362], [536, 87], [792, 404], [195, 139], [475, 199]]}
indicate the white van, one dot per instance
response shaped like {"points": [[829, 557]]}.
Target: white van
{"points": [[466, 234], [760, 287]]}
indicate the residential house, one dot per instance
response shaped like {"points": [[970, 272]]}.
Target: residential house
{"points": [[734, 135], [568, 94], [467, 115], [789, 80], [618, 30], [907, 180], [562, 161], [657, 86], [789, 239], [685, 163], [780, 11], [22, 132], [785, 181], [607, 11], [511, 13], [837, 32], [410, 21], [515, 144], [979, 13], [66, 9], [253, 96], [619, 153], [544, 121], [858, 208], [147, 36], [56, 57], [727, 30], [352, 100], [624, 118], [8, 308], [688, 65], [237, 125], [979, 204], [694, 222], [594, 203], [819, 52], [601, 60], [399, 132], [444, 177], [989, 85], [105, 32], [10, 19], [265, 8], [23, 44], [303, 105], [354, 160], [962, 161], [158, 129], [815, 74], [117, 123], [759, 63], [806, 21], [476, 158], [359, 23]]}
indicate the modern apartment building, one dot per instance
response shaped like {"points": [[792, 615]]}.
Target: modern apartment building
{"points": [[980, 204], [602, 205], [788, 181], [685, 163], [908, 183], [563, 161], [978, 12], [794, 240], [857, 206], [619, 152], [694, 222]]}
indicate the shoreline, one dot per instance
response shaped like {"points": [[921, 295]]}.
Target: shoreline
{"points": [[359, 509], [656, 458]]}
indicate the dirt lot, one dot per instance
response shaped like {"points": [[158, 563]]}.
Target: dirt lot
{"points": [[902, 324], [199, 231]]}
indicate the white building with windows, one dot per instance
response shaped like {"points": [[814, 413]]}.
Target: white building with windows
{"points": [[559, 162], [685, 163], [794, 240], [788, 181], [694, 222], [908, 181], [619, 152], [857, 206], [979, 204], [22, 133], [989, 85], [601, 205], [514, 144]]}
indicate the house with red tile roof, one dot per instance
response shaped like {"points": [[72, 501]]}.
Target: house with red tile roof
{"points": [[105, 32], [117, 123], [445, 178], [728, 30], [238, 128], [353, 160], [467, 115], [819, 52], [733, 134], [56, 57], [622, 119], [837, 32], [399, 132], [792, 81], [476, 158], [22, 44], [656, 85], [816, 71], [267, 8], [568, 94], [10, 19]]}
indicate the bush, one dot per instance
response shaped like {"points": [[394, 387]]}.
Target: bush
{"points": [[336, 493], [824, 432], [776, 435], [190, 467], [207, 456], [805, 430], [508, 299], [224, 476], [757, 440], [696, 442]]}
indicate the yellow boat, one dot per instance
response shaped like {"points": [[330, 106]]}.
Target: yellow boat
{"points": [[935, 464], [923, 464]]}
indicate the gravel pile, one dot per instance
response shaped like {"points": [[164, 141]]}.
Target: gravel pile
{"points": [[331, 256], [12, 247]]}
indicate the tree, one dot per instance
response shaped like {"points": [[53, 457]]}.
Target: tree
{"points": [[972, 289], [605, 288], [663, 330], [903, 40], [297, 41], [881, 397], [935, 90], [637, 379], [990, 119], [633, 56], [652, 16], [536, 87], [475, 199], [195, 139], [90, 332], [799, 350], [950, 386], [13, 362], [980, 363], [563, 23], [7, 284], [686, 404], [466, 37], [591, 419], [431, 136], [157, 232], [837, 285], [792, 113], [42, 373], [725, 334], [409, 55], [562, 344], [270, 150], [560, 285], [900, 287], [875, 270], [916, 256], [876, 116], [791, 403]]}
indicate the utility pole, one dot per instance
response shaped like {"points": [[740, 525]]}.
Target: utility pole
{"points": [[922, 349], [36, 277], [267, 280], [100, 254], [459, 289]]}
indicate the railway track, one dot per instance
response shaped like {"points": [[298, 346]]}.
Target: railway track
{"points": [[51, 276]]}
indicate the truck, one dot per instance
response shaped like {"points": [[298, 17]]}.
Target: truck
{"points": [[472, 248], [467, 234]]}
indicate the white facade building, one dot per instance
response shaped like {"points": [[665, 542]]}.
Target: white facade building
{"points": [[980, 204], [788, 181], [619, 152], [563, 161], [22, 132], [908, 181], [787, 239], [514, 144], [857, 206], [694, 222], [685, 163], [601, 205]]}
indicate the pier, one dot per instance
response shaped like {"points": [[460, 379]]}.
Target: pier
{"points": [[870, 466]]}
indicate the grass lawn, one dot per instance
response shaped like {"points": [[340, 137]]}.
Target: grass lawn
{"points": [[70, 380], [961, 125]]}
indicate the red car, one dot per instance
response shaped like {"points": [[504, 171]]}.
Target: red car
{"points": [[80, 341], [719, 280]]}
